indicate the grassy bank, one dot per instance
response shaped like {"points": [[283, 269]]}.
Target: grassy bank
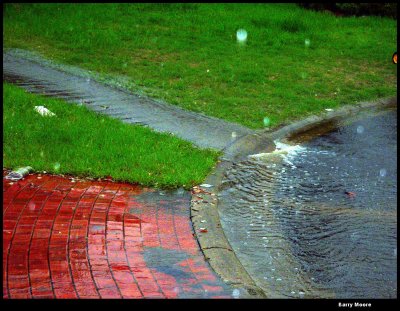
{"points": [[80, 142], [187, 54]]}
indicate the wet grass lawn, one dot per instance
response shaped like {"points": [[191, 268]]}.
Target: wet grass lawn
{"points": [[83, 143], [187, 55]]}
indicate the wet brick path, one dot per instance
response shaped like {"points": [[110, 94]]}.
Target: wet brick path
{"points": [[64, 238]]}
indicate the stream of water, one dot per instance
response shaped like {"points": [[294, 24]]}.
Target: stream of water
{"points": [[318, 218]]}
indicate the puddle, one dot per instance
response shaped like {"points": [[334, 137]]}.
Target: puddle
{"points": [[319, 220]]}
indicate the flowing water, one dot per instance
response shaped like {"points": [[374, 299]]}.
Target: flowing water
{"points": [[38, 75], [318, 217]]}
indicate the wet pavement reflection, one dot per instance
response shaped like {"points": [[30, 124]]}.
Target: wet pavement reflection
{"points": [[68, 238]]}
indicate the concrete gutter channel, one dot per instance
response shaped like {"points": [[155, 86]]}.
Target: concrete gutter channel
{"points": [[137, 109], [204, 213]]}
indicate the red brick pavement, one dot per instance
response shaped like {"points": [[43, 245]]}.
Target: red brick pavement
{"points": [[98, 239]]}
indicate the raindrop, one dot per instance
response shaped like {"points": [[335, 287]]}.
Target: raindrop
{"points": [[241, 35], [267, 121], [236, 293], [382, 172], [57, 166], [354, 236], [234, 135], [307, 42], [360, 129], [32, 206]]}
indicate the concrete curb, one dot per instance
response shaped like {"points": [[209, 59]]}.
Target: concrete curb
{"points": [[204, 203], [329, 116]]}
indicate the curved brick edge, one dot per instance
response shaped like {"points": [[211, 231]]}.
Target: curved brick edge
{"points": [[204, 203]]}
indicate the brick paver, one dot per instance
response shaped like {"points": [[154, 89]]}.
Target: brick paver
{"points": [[64, 238]]}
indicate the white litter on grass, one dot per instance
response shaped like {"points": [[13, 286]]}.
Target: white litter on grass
{"points": [[19, 173], [44, 111], [206, 185]]}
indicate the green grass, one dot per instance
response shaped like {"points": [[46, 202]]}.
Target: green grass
{"points": [[187, 54], [85, 143]]}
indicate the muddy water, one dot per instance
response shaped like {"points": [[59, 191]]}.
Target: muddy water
{"points": [[319, 219]]}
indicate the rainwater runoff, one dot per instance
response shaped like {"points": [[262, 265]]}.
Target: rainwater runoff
{"points": [[317, 218]]}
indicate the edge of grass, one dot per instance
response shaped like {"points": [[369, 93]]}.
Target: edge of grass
{"points": [[83, 143]]}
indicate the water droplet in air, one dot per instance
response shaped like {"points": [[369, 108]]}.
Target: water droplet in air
{"points": [[382, 172], [267, 121], [241, 35], [360, 129], [57, 166], [234, 135], [307, 42], [236, 293]]}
